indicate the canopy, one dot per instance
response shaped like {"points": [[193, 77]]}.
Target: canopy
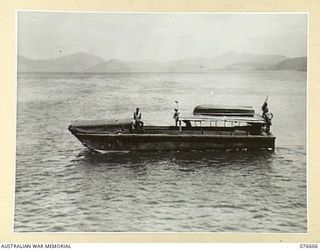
{"points": [[223, 110]]}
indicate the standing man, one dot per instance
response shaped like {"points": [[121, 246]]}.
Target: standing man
{"points": [[176, 116], [267, 116]]}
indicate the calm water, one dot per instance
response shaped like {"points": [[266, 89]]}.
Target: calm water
{"points": [[63, 187]]}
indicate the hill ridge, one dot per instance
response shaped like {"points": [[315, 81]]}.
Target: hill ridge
{"points": [[86, 62]]}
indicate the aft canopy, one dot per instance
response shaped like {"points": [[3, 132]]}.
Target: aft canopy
{"points": [[223, 110]]}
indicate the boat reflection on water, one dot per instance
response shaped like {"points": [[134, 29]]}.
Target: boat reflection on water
{"points": [[181, 160]]}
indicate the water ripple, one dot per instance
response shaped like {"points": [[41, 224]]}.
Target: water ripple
{"points": [[63, 187]]}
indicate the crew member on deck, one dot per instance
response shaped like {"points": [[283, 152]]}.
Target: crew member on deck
{"points": [[267, 116], [176, 116], [137, 123]]}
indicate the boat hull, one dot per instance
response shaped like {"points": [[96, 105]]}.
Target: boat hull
{"points": [[152, 142]]}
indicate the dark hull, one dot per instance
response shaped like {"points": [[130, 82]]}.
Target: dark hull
{"points": [[165, 142]]}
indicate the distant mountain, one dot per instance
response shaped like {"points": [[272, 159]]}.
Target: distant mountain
{"points": [[231, 58], [78, 62], [246, 67], [196, 64], [28, 65], [83, 62], [149, 66], [204, 64], [299, 64], [113, 65]]}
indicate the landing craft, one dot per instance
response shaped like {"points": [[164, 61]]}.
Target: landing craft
{"points": [[210, 128]]}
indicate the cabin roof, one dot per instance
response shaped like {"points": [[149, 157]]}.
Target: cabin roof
{"points": [[223, 110], [226, 107]]}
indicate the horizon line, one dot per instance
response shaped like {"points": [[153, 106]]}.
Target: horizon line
{"points": [[155, 60]]}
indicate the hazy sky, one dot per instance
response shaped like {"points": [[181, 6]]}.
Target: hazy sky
{"points": [[136, 36]]}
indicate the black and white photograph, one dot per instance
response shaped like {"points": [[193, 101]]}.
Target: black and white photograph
{"points": [[161, 122]]}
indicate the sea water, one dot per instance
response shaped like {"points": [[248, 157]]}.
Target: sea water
{"points": [[63, 187]]}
